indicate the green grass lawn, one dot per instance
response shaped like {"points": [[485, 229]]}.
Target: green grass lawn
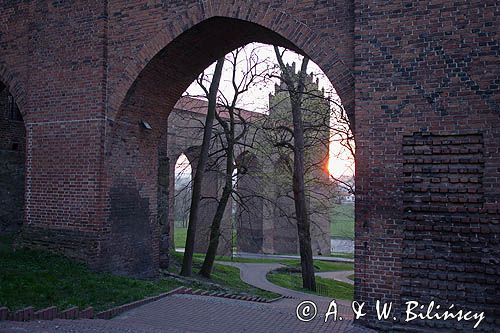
{"points": [[325, 287], [224, 275], [328, 266], [320, 265], [180, 235], [342, 255], [342, 221], [41, 279]]}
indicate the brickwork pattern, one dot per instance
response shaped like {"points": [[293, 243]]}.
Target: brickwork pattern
{"points": [[86, 73], [427, 68], [446, 225]]}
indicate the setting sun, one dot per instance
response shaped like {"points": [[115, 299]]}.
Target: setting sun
{"points": [[340, 163]]}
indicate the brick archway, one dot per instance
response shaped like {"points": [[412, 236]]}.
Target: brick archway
{"points": [[426, 91], [156, 77], [15, 87], [280, 27]]}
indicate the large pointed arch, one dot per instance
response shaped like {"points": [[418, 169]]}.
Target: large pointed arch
{"points": [[272, 27]]}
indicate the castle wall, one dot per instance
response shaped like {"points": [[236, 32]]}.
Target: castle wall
{"points": [[419, 80]]}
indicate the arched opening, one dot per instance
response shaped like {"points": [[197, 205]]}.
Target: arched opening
{"points": [[263, 208], [182, 199], [284, 227], [157, 89], [12, 163]]}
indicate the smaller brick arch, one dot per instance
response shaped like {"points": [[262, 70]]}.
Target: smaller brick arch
{"points": [[9, 79], [191, 154]]}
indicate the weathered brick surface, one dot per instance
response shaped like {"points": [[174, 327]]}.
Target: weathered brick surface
{"points": [[427, 118], [85, 73]]}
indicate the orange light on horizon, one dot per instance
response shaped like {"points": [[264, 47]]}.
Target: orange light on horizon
{"points": [[339, 162]]}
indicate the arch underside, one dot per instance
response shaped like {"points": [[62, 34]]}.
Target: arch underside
{"points": [[176, 65]]}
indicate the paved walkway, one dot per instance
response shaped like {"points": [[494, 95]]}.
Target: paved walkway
{"points": [[341, 276], [193, 314], [189, 313], [255, 275]]}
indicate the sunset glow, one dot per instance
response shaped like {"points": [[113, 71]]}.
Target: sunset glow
{"points": [[340, 163]]}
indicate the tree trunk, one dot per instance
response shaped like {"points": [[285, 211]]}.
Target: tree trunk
{"points": [[187, 261], [206, 269], [299, 195]]}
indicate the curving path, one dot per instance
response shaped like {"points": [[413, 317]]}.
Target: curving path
{"points": [[205, 314], [255, 275], [341, 276]]}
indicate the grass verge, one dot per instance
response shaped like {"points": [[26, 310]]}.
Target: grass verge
{"points": [[180, 235], [342, 221], [41, 279], [325, 287], [226, 276], [320, 265], [342, 255]]}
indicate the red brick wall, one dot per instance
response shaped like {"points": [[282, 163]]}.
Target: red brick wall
{"points": [[54, 51], [427, 81], [86, 72]]}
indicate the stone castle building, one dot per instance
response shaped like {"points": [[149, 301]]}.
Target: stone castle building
{"points": [[263, 219], [316, 114]]}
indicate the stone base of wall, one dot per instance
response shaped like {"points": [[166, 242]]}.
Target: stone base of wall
{"points": [[77, 245], [92, 248]]}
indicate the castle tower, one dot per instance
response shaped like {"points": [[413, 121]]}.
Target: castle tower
{"points": [[316, 119]]}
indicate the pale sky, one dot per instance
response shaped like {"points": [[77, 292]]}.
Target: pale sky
{"points": [[257, 97]]}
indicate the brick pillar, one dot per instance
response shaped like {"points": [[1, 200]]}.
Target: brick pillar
{"points": [[208, 206], [163, 203], [65, 207], [249, 210], [12, 157], [285, 226]]}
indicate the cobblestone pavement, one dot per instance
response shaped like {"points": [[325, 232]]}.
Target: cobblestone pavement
{"points": [[189, 313]]}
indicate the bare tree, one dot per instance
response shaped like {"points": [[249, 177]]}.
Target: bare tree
{"points": [[231, 118], [311, 137], [296, 91], [187, 261]]}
